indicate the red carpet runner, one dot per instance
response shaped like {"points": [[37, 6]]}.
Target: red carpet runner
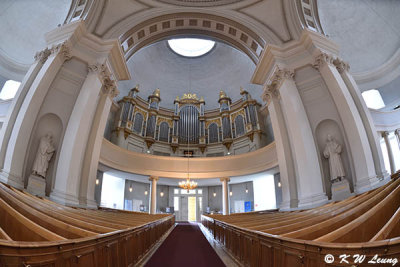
{"points": [[185, 246]]}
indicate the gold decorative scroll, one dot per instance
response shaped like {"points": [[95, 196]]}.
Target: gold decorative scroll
{"points": [[237, 113], [144, 113], [216, 121], [162, 119], [189, 96]]}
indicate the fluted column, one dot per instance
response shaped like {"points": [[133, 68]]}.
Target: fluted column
{"points": [[385, 136], [153, 194], [225, 197]]}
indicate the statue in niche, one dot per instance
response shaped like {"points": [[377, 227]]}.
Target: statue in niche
{"points": [[43, 155], [332, 153]]}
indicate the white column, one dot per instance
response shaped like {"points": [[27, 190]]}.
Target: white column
{"points": [[225, 195], [372, 134], [92, 155], [18, 140], [385, 136], [153, 195], [284, 154], [366, 177], [304, 151], [76, 137], [397, 134]]}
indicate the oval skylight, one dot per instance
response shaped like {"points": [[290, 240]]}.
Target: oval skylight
{"points": [[191, 47]]}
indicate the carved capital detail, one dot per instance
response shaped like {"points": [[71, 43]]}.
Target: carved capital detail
{"points": [[270, 92], [43, 55], [341, 65], [97, 68], [110, 87], [385, 134], [62, 49], [280, 75], [323, 59]]}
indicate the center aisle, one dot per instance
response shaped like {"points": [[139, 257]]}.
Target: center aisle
{"points": [[185, 246]]}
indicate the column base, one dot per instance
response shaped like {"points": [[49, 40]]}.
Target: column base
{"points": [[11, 179], [369, 183], [289, 205], [87, 203], [341, 190], [313, 201], [36, 186], [64, 198]]}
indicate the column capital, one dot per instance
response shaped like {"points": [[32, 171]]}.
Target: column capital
{"points": [[385, 134], [323, 59], [270, 92], [43, 55], [63, 49], [153, 178], [227, 179], [281, 74], [341, 65], [397, 132]]}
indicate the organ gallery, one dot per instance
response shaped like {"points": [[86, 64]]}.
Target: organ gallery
{"points": [[199, 133]]}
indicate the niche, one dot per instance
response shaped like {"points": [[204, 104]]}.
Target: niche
{"points": [[48, 123], [331, 127]]}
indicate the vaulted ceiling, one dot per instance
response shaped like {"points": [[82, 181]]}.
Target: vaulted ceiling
{"points": [[366, 29]]}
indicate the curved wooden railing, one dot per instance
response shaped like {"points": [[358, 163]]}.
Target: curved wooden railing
{"points": [[39, 232], [367, 224]]}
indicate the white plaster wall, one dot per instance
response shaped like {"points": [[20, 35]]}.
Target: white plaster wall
{"points": [[59, 102], [320, 107]]}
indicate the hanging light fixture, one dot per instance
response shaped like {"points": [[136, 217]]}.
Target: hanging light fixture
{"points": [[188, 184], [279, 184], [97, 181], [130, 188], [247, 190], [145, 193], [230, 193]]}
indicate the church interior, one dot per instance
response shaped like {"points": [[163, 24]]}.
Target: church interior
{"points": [[200, 133]]}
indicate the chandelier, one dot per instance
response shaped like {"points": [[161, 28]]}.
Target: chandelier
{"points": [[188, 185]]}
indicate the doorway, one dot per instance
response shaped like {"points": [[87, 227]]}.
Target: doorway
{"points": [[192, 209]]}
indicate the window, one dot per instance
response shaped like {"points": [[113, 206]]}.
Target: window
{"points": [[373, 99], [185, 192], [176, 203], [176, 191], [191, 47], [9, 90], [199, 191]]}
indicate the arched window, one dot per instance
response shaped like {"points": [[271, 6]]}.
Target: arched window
{"points": [[137, 125], [213, 133], [239, 125], [164, 129]]}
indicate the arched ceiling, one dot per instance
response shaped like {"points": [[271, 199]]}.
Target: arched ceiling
{"points": [[23, 25], [367, 31], [223, 68]]}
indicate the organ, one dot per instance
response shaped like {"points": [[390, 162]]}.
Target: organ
{"points": [[189, 122]]}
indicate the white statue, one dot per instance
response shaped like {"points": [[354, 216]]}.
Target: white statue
{"points": [[43, 155], [332, 153]]}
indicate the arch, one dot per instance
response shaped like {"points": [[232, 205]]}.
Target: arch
{"points": [[331, 127], [195, 24]]}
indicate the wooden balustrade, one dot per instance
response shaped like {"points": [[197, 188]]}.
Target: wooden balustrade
{"points": [[367, 224], [38, 232]]}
